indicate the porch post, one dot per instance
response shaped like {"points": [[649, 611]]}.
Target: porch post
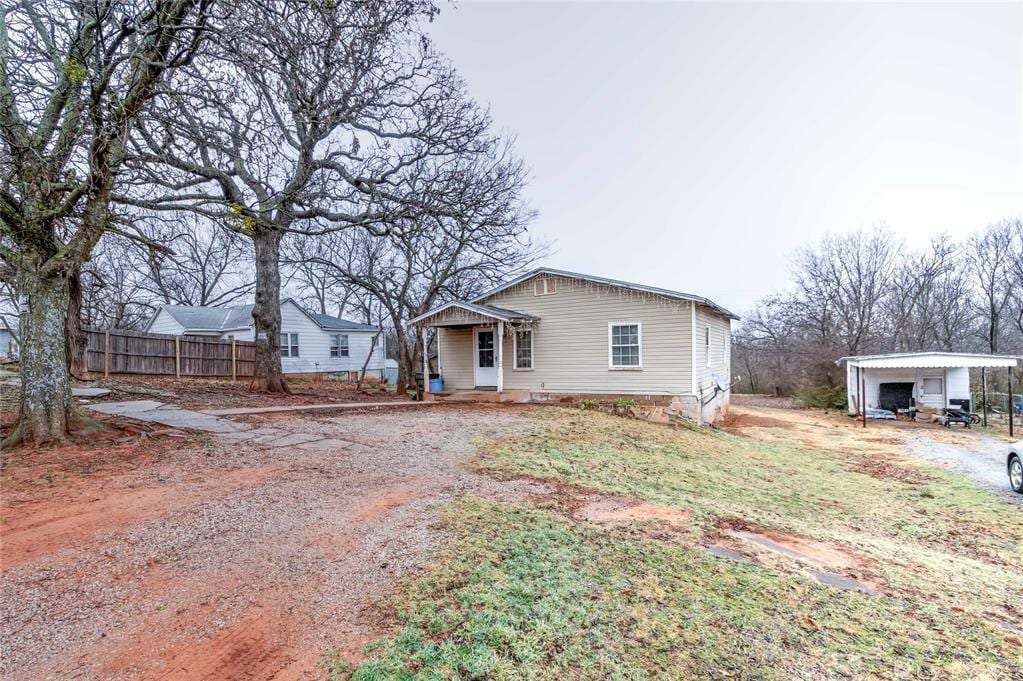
{"points": [[500, 357], [426, 361]]}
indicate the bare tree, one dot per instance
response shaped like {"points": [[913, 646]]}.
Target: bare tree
{"points": [[991, 260], [308, 119], [432, 259], [74, 76]]}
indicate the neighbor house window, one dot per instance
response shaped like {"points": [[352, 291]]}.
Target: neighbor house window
{"points": [[339, 345], [544, 287], [524, 349], [289, 345], [624, 342]]}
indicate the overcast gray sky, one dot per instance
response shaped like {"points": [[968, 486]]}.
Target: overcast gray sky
{"points": [[695, 145]]}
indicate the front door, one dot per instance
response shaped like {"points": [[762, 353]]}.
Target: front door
{"points": [[485, 362]]}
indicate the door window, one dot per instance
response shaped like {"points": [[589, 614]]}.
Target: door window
{"points": [[485, 349]]}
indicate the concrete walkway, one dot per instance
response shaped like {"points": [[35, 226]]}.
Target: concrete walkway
{"points": [[241, 411], [152, 411]]}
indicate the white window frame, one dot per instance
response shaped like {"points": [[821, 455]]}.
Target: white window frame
{"points": [[610, 349], [287, 346], [923, 386], [337, 347], [515, 349]]}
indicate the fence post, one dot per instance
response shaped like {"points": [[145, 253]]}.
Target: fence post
{"points": [[234, 361], [1012, 407], [106, 354], [177, 356]]}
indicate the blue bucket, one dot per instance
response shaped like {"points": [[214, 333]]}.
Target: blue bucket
{"points": [[436, 384]]}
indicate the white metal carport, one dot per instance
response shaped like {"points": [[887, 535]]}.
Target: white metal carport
{"points": [[933, 379]]}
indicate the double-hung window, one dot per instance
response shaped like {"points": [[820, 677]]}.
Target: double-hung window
{"points": [[524, 349], [624, 345], [289, 345], [338, 345]]}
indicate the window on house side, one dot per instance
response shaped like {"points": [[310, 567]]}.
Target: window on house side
{"points": [[524, 349], [706, 344], [544, 287], [338, 345], [289, 345], [624, 341]]}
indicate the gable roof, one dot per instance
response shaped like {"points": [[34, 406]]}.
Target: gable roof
{"points": [[668, 293], [501, 313], [196, 318]]}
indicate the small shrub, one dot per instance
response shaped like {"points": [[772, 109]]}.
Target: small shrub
{"points": [[824, 396], [588, 404], [622, 402]]}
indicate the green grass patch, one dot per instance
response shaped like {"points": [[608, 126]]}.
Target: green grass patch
{"points": [[520, 592]]}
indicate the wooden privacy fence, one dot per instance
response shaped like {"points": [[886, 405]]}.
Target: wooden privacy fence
{"points": [[135, 352]]}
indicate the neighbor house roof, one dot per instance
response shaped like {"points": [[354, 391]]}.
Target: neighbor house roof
{"points": [[500, 313], [223, 319], [928, 360], [668, 293]]}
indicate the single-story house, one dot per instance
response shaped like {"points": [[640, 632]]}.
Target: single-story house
{"points": [[310, 342], [551, 333], [915, 379]]}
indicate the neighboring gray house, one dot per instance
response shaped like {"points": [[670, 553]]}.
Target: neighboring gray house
{"points": [[551, 333], [9, 336], [310, 342]]}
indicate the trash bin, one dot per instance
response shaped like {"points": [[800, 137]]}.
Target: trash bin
{"points": [[436, 383]]}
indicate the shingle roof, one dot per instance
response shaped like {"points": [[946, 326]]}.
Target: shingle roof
{"points": [[210, 318], [610, 282], [240, 316], [485, 310], [327, 322]]}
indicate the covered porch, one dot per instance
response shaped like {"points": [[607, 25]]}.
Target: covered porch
{"points": [[471, 351]]}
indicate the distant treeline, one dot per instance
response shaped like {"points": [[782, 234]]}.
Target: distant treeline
{"points": [[866, 293]]}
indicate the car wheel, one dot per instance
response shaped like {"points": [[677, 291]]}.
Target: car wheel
{"points": [[1016, 474]]}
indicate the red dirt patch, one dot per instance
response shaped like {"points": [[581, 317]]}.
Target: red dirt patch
{"points": [[619, 511], [828, 555], [885, 470], [737, 421]]}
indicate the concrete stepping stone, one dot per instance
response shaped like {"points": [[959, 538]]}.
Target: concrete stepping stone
{"points": [[841, 582], [775, 546], [157, 412], [89, 392], [724, 552]]}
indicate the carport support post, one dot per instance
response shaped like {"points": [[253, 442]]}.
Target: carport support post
{"points": [[863, 395], [1011, 407], [500, 357], [983, 392]]}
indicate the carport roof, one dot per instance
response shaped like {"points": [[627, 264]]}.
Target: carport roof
{"points": [[929, 360]]}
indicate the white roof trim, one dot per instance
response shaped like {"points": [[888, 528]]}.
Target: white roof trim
{"points": [[484, 310], [929, 360], [609, 282]]}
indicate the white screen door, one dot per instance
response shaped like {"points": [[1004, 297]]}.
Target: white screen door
{"points": [[485, 361]]}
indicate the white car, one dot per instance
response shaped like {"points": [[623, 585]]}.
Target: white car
{"points": [[1014, 464]]}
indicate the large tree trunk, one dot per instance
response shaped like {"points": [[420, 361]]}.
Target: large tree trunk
{"points": [[47, 413], [75, 338], [406, 362], [269, 376]]}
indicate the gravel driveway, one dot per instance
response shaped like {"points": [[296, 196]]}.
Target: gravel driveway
{"points": [[198, 558], [983, 460]]}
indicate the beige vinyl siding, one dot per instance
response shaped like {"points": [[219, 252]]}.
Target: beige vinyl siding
{"points": [[456, 359], [720, 348], [570, 342]]}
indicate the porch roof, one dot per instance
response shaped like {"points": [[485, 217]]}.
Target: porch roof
{"points": [[929, 360], [447, 314]]}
